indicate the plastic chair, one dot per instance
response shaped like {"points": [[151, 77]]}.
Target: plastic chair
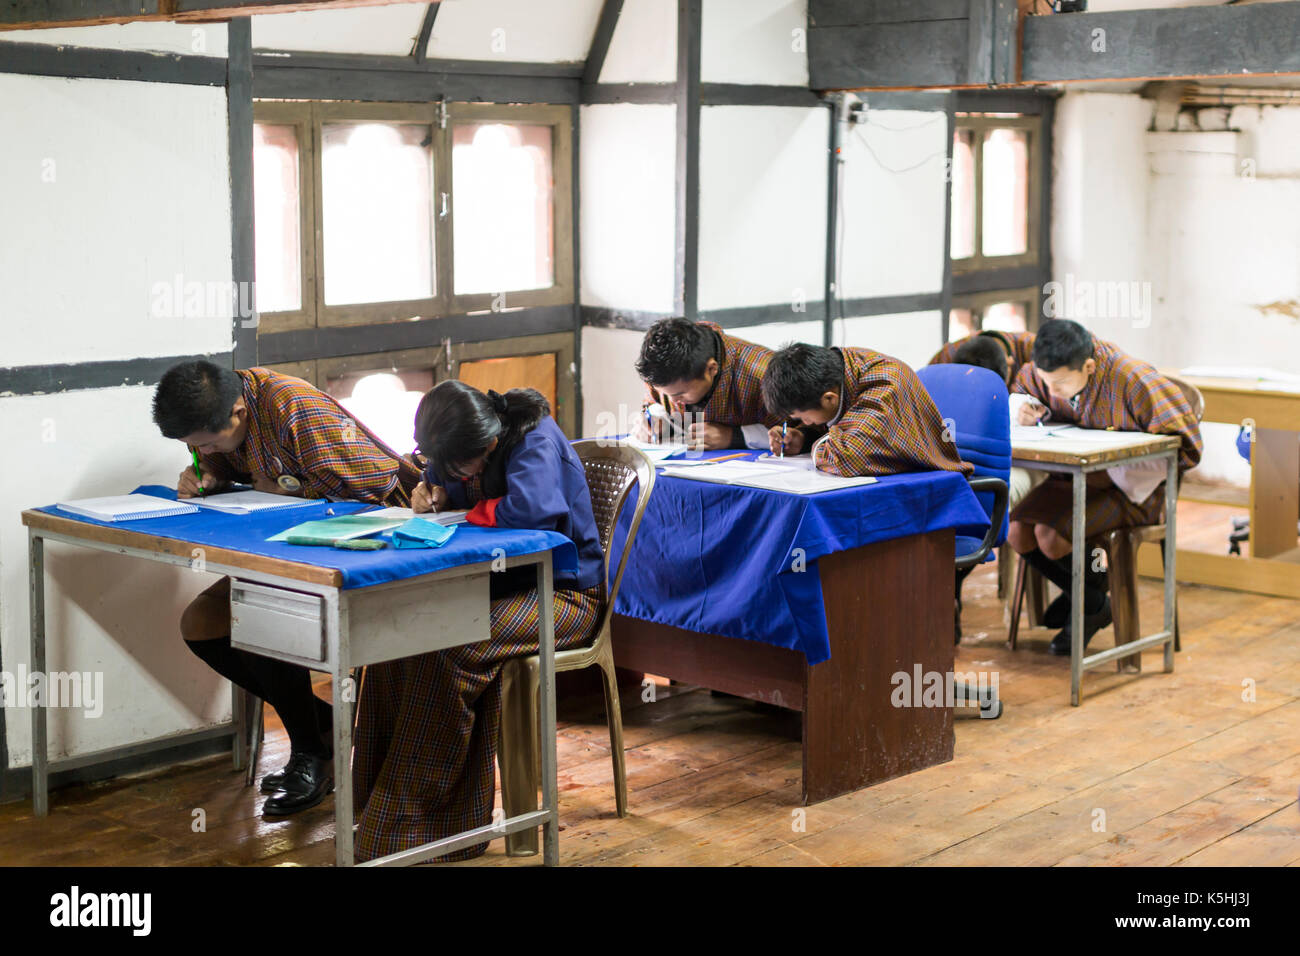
{"points": [[1121, 546], [973, 403], [611, 472]]}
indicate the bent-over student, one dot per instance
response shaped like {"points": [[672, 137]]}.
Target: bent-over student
{"points": [[877, 416], [1076, 378], [1003, 352], [284, 436], [696, 372], [427, 725]]}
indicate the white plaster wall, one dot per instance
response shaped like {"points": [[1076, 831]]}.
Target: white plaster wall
{"points": [[643, 48], [627, 221], [777, 335], [106, 189], [201, 39], [389, 30], [913, 337], [105, 613], [892, 204], [610, 386], [754, 41], [762, 205], [545, 31]]}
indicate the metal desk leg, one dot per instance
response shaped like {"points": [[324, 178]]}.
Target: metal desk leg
{"points": [[546, 695], [1171, 549], [1078, 552], [344, 695], [239, 718], [36, 605]]}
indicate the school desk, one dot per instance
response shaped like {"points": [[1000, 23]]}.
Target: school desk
{"points": [[811, 602], [1079, 458], [328, 610], [1273, 564]]}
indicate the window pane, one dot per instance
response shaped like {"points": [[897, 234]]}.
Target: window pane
{"points": [[504, 218], [276, 210], [377, 205], [963, 194], [961, 323], [384, 400], [1006, 192], [1005, 317]]}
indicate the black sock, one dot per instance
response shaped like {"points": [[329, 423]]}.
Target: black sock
{"points": [[1052, 570], [1095, 586], [231, 664]]}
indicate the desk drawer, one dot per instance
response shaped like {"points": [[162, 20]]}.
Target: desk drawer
{"points": [[277, 620]]}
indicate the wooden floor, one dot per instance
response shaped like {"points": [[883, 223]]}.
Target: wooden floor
{"points": [[1154, 769]]}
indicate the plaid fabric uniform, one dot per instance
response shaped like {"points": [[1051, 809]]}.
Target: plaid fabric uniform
{"points": [[888, 423], [1125, 394], [737, 395], [427, 726], [1019, 347], [296, 429]]}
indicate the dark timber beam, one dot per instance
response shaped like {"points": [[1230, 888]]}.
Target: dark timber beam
{"points": [[1234, 40], [30, 14], [609, 14], [421, 51]]}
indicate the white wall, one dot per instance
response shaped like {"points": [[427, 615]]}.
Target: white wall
{"points": [[762, 205], [643, 48], [754, 41], [892, 212], [610, 386], [913, 337], [200, 39], [627, 220], [533, 30], [777, 335], [107, 187], [390, 30]]}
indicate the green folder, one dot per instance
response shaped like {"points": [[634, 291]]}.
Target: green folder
{"points": [[326, 531]]}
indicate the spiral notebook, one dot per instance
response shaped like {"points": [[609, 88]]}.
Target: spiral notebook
{"points": [[126, 507]]}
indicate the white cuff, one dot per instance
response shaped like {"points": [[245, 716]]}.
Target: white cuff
{"points": [[755, 436]]}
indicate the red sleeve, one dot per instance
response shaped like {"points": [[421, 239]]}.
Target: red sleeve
{"points": [[484, 513]]}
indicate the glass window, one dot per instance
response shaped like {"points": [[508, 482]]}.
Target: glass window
{"points": [[1006, 192], [961, 323], [384, 400], [377, 185], [503, 221], [1004, 317], [278, 212], [963, 194]]}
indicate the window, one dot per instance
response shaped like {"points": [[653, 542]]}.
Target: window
{"points": [[996, 193], [1002, 311], [373, 213]]}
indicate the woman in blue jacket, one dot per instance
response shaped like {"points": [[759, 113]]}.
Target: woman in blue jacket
{"points": [[427, 725]]}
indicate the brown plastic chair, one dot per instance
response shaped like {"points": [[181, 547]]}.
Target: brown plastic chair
{"points": [[1121, 546], [611, 471]]}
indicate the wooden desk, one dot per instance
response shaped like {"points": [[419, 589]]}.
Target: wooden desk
{"points": [[1079, 457], [888, 610], [1273, 566], [300, 613]]}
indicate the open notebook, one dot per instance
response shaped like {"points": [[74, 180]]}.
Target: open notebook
{"points": [[246, 502], [126, 507], [771, 477]]}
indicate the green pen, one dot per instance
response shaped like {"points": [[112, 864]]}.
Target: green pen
{"points": [[198, 471]]}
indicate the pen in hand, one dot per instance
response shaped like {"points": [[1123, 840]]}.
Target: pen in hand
{"points": [[198, 471], [783, 432]]}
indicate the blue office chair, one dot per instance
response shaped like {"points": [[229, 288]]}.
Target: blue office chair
{"points": [[973, 404]]}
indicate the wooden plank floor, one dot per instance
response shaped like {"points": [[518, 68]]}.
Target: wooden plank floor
{"points": [[1153, 769]]}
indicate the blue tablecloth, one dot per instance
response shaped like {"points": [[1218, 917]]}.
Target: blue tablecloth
{"points": [[248, 534], [742, 562]]}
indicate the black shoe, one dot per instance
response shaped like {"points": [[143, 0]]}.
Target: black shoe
{"points": [[307, 781], [273, 781], [1058, 612], [1092, 623]]}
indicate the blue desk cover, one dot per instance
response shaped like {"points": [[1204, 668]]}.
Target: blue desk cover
{"points": [[723, 559], [248, 534]]}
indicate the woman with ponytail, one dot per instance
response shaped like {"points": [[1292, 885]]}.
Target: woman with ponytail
{"points": [[427, 725]]}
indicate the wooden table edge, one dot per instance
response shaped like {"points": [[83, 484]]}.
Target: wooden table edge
{"points": [[1159, 443]]}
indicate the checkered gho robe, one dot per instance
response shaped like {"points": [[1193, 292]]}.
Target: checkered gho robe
{"points": [[427, 726], [889, 423], [737, 395], [1126, 394], [1019, 347], [296, 429]]}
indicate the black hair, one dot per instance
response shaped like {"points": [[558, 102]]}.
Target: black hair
{"points": [[675, 350], [195, 397], [456, 422], [1061, 343], [984, 351], [798, 376]]}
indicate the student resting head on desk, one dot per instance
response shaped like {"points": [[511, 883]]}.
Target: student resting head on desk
{"points": [[284, 436], [1076, 378], [877, 417], [699, 374], [1005, 353], [427, 725]]}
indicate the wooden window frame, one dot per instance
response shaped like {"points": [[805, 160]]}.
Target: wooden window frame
{"points": [[978, 302], [1033, 125]]}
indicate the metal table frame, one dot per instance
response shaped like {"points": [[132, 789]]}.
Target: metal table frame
{"points": [[342, 654], [1078, 661]]}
